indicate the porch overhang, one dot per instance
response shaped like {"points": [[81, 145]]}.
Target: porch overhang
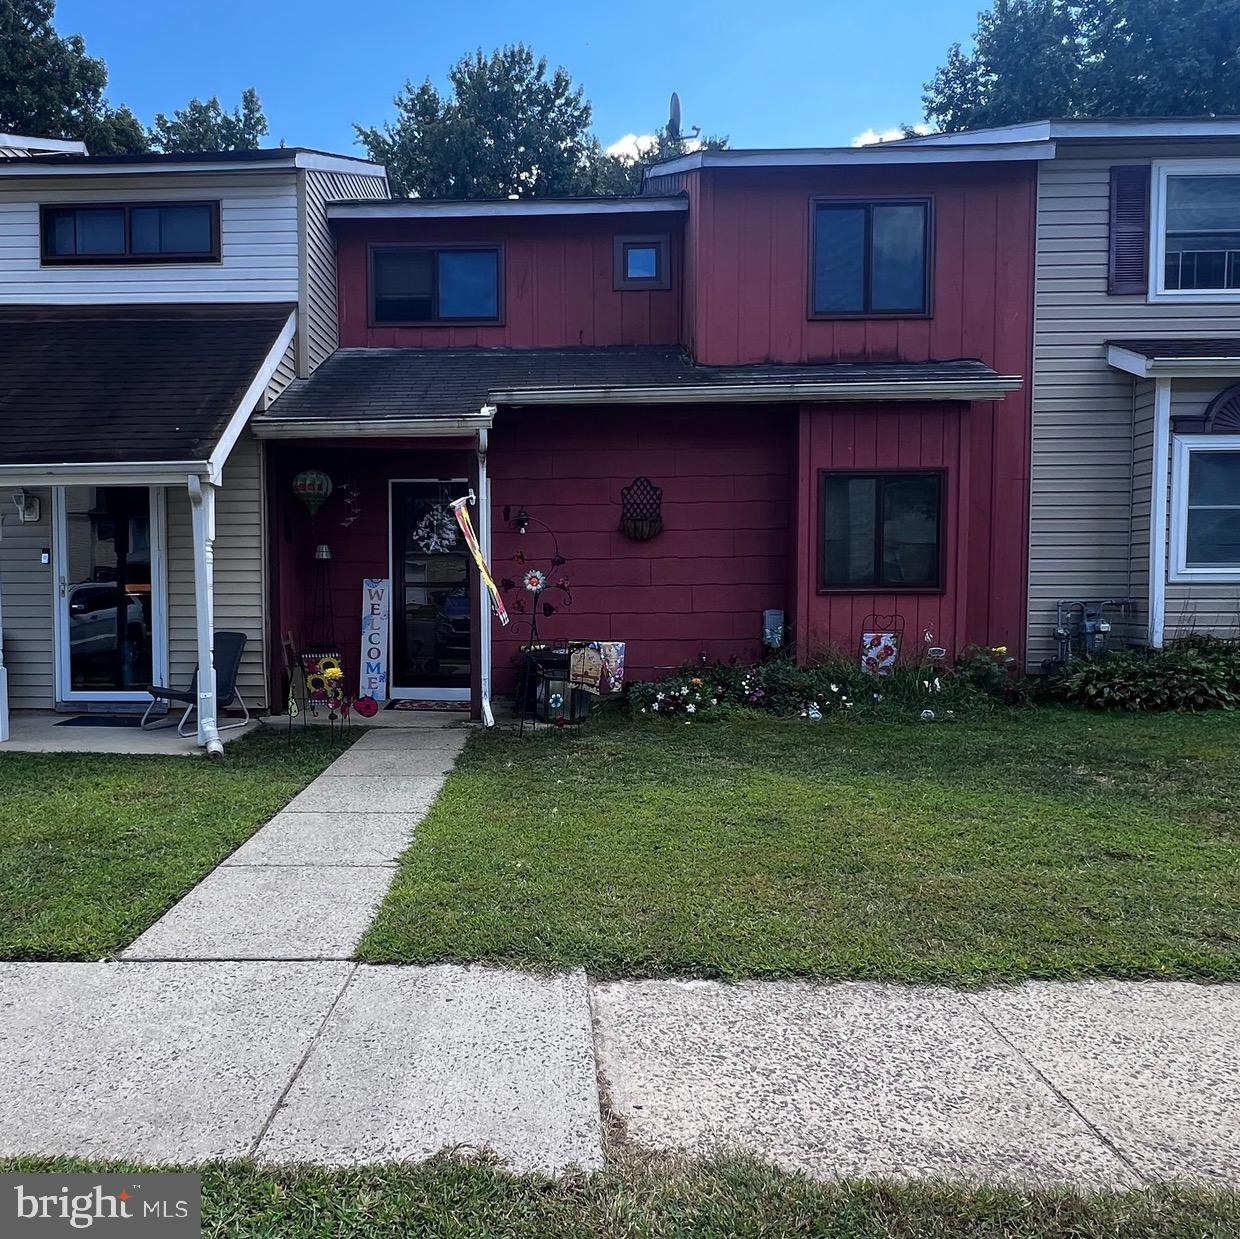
{"points": [[362, 428], [1196, 358]]}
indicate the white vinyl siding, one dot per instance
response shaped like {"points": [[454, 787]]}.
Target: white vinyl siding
{"points": [[1085, 525], [258, 242], [240, 571], [319, 269], [26, 605]]}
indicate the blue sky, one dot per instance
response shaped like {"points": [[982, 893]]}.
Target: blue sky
{"points": [[782, 73]]}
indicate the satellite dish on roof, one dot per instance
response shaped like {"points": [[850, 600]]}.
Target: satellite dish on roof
{"points": [[673, 116]]}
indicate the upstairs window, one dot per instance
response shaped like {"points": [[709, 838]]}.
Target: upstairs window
{"points": [[881, 531], [414, 285], [1196, 231], [137, 232], [641, 262], [870, 259]]}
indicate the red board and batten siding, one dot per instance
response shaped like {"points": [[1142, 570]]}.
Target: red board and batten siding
{"points": [[724, 555], [558, 282]]}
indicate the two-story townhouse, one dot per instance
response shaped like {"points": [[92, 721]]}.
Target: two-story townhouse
{"points": [[1135, 478], [149, 305], [809, 364]]}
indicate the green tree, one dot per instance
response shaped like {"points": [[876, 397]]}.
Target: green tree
{"points": [[1033, 59], [508, 126], [50, 87], [206, 126]]}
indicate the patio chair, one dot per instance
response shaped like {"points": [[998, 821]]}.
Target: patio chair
{"points": [[229, 646]]}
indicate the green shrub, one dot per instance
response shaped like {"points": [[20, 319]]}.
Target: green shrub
{"points": [[835, 686], [1195, 673]]}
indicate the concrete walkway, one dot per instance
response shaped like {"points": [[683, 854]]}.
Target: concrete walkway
{"points": [[307, 885]]}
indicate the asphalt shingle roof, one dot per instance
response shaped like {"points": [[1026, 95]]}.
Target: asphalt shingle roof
{"points": [[1220, 347], [114, 384], [397, 383]]}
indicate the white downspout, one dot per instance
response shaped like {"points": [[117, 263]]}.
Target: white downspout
{"points": [[202, 512], [1160, 468], [4, 675], [484, 600]]}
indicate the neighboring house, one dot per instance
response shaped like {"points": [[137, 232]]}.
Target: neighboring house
{"points": [[148, 306], [818, 357], [1136, 412]]}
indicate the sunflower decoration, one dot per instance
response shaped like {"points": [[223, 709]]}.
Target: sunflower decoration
{"points": [[535, 581]]}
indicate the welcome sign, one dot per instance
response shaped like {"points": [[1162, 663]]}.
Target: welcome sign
{"points": [[376, 612]]}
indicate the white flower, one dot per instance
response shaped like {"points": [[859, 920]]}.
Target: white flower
{"points": [[643, 709], [938, 688], [691, 708], [658, 696], [835, 688]]}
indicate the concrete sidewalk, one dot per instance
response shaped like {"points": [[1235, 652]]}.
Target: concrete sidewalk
{"points": [[1105, 1084], [308, 884]]}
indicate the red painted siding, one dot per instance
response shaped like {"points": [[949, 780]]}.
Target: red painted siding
{"points": [[702, 584], [558, 281]]}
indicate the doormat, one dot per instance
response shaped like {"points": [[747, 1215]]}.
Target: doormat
{"points": [[101, 720], [428, 705]]}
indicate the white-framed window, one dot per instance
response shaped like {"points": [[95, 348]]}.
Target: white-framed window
{"points": [[1195, 230], [1205, 508]]}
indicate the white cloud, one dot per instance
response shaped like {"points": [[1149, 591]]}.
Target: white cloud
{"points": [[637, 146], [870, 136]]}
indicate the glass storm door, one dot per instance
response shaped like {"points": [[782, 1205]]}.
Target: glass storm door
{"points": [[432, 618], [110, 630]]}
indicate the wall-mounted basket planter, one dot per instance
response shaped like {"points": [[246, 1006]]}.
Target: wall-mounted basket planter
{"points": [[641, 510]]}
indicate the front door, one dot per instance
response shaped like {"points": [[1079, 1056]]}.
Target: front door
{"points": [[111, 631], [432, 620]]}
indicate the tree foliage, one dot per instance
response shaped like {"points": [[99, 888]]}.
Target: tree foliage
{"points": [[206, 126], [508, 126], [622, 174], [1033, 59], [50, 87]]}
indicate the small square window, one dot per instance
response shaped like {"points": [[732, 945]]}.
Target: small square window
{"points": [[641, 262]]}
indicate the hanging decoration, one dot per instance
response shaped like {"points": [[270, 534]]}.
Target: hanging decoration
{"points": [[436, 532], [352, 497], [313, 487], [460, 510], [641, 510], [535, 581]]}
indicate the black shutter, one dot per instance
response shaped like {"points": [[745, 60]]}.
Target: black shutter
{"points": [[1128, 270]]}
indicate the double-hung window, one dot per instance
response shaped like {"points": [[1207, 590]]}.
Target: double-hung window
{"points": [[131, 232], [881, 531], [1205, 508], [870, 258], [1195, 234], [419, 285]]}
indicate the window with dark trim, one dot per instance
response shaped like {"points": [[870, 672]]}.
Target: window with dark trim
{"points": [[418, 285], [641, 262], [870, 258], [881, 531], [131, 232]]}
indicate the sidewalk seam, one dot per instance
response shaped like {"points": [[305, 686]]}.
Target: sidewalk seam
{"points": [[301, 1062], [1103, 1139]]}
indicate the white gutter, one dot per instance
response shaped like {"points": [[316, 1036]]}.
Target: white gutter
{"points": [[103, 473], [375, 428], [1158, 511], [413, 208], [766, 393], [1144, 367], [484, 599], [202, 513]]}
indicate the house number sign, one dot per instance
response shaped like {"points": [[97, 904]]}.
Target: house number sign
{"points": [[376, 610]]}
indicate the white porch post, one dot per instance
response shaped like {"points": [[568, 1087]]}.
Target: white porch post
{"points": [[1158, 511], [484, 599], [4, 675], [202, 512]]}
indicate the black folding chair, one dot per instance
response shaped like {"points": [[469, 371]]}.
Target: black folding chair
{"points": [[229, 646]]}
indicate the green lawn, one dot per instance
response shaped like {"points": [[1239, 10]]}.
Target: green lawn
{"points": [[450, 1198], [1047, 843], [95, 847]]}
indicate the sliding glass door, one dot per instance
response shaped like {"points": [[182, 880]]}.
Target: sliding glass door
{"points": [[111, 630]]}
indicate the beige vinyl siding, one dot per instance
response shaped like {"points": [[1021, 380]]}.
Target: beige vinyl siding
{"points": [[320, 339], [286, 371], [26, 604], [1197, 606], [258, 241], [1085, 451], [240, 571]]}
